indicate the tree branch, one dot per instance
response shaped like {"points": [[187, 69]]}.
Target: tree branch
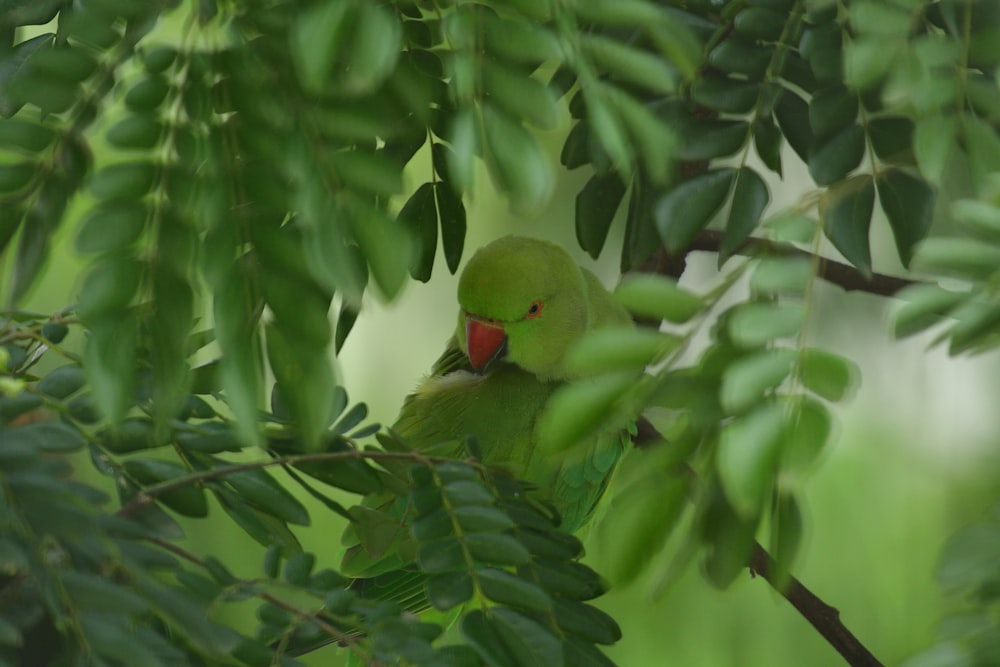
{"points": [[823, 617], [842, 275]]}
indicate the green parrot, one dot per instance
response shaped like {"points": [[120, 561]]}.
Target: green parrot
{"points": [[523, 303]]}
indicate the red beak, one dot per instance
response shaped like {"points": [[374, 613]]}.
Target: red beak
{"points": [[483, 340]]}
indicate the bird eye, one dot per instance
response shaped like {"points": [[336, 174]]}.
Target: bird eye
{"points": [[535, 310]]}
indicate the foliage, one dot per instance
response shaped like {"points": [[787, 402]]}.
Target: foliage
{"points": [[252, 170]]}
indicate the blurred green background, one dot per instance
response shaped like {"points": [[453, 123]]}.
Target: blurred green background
{"points": [[913, 460]]}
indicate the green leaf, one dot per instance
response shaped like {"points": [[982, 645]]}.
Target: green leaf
{"points": [[188, 617], [768, 140], [747, 459], [786, 537], [688, 207], [525, 639], [908, 202], [707, 140], [578, 409], [965, 258], [130, 435], [108, 288], [792, 114], [419, 215], [188, 500], [315, 40], [846, 211], [467, 492], [826, 374], [982, 144], [746, 381], [808, 426], [639, 520], [477, 518], [451, 211], [147, 93], [505, 588], [659, 297], [25, 135], [833, 158], [98, 594], [516, 92], [110, 362], [604, 125], [516, 160], [892, 138], [737, 56], [969, 558], [14, 177], [750, 198], [62, 382], [520, 41], [754, 324], [725, 94], [923, 306], [258, 488], [135, 131], [781, 275], [298, 567], [629, 64], [485, 639], [596, 206], [386, 249], [125, 180], [368, 171], [441, 556], [376, 38], [111, 226], [933, 143], [446, 591], [980, 217], [586, 622], [618, 349], [496, 549], [831, 110]]}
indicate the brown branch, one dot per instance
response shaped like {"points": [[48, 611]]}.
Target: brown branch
{"points": [[843, 275], [824, 618]]}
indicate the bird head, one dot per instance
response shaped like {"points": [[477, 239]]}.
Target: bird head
{"points": [[523, 301]]}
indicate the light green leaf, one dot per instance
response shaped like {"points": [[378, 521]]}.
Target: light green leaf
{"points": [[933, 142], [826, 374], [629, 64], [754, 324], [580, 408], [618, 349], [923, 306], [659, 297], [808, 426], [962, 257], [516, 160], [747, 459], [746, 381], [781, 275], [315, 41]]}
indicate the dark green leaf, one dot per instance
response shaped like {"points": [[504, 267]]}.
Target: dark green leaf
{"points": [[509, 589], [596, 206], [908, 202], [496, 548], [97, 594], [750, 198], [188, 500], [13, 177], [586, 622], [970, 557], [792, 114], [760, 23], [62, 382], [130, 435], [446, 591], [687, 208], [419, 216], [485, 639], [135, 131], [25, 135], [188, 617], [260, 489], [125, 180], [847, 214], [529, 642], [147, 93], [725, 94], [111, 226], [451, 211], [832, 159], [740, 57], [892, 138], [441, 556], [832, 109], [767, 141], [707, 140], [298, 567]]}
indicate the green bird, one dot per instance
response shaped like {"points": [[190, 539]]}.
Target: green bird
{"points": [[523, 303]]}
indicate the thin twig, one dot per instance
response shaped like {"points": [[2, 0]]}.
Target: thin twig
{"points": [[824, 618]]}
